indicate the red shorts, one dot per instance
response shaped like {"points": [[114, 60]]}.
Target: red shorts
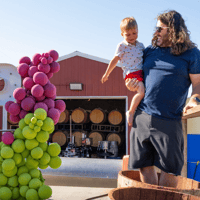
{"points": [[138, 74]]}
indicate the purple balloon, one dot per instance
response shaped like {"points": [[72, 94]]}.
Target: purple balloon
{"points": [[40, 78], [25, 59], [8, 103], [14, 118], [40, 98], [27, 103], [49, 90], [28, 83], [19, 93], [41, 105], [14, 109], [44, 68], [8, 138], [36, 59], [32, 70], [37, 90], [22, 114], [54, 114], [55, 67], [49, 102], [60, 105], [54, 54], [23, 70]]}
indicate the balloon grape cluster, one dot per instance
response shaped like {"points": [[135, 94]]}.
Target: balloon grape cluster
{"points": [[37, 90], [25, 152]]}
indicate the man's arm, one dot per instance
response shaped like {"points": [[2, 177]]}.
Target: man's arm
{"points": [[195, 79], [109, 69]]}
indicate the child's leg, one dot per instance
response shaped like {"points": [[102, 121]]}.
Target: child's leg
{"points": [[135, 102]]}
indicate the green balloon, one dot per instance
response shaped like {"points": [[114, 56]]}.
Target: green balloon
{"points": [[37, 129], [18, 133], [27, 118], [18, 146], [42, 136], [28, 133], [33, 120], [30, 144], [40, 113], [48, 124], [39, 123], [22, 124], [31, 126], [52, 130], [5, 193]]}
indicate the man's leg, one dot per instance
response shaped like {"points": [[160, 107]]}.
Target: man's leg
{"points": [[167, 180], [149, 175]]}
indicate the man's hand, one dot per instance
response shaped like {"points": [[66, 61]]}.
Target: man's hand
{"points": [[104, 78], [132, 84], [191, 104]]}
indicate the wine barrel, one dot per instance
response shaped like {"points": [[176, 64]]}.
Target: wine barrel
{"points": [[60, 137], [137, 193], [79, 116], [8, 119], [67, 116], [78, 135], [96, 136], [131, 178], [98, 116], [115, 137], [62, 117], [115, 117]]}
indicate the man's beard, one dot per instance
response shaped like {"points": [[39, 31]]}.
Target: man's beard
{"points": [[165, 41]]}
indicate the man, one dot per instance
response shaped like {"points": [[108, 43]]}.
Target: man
{"points": [[170, 65]]}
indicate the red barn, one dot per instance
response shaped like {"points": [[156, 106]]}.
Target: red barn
{"points": [[78, 83], [85, 71]]}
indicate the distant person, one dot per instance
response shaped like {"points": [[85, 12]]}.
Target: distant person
{"points": [[129, 53], [171, 64]]}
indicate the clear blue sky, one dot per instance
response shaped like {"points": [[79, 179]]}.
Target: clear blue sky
{"points": [[88, 26]]}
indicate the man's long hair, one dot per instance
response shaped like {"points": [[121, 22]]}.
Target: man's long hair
{"points": [[179, 36]]}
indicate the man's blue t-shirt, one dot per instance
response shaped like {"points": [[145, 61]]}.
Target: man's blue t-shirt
{"points": [[166, 79]]}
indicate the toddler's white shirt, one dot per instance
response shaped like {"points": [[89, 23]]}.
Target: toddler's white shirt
{"points": [[130, 56]]}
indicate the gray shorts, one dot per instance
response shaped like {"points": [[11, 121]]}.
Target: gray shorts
{"points": [[156, 142]]}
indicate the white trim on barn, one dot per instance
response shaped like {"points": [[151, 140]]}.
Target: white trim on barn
{"points": [[102, 97], [77, 53]]}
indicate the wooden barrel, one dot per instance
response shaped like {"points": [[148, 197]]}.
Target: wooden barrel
{"points": [[131, 178], [79, 116], [60, 137], [136, 193], [67, 115], [62, 117], [115, 117], [115, 137], [98, 116], [96, 136], [78, 137]]}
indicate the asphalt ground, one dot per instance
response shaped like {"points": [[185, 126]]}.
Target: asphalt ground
{"points": [[83, 178]]}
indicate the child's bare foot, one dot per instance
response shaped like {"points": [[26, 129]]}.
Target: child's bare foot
{"points": [[129, 118]]}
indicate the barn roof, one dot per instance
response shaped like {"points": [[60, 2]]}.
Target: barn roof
{"points": [[84, 55]]}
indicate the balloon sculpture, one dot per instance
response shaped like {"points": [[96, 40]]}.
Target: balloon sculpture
{"points": [[37, 112]]}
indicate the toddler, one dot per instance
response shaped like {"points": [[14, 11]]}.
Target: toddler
{"points": [[129, 53]]}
